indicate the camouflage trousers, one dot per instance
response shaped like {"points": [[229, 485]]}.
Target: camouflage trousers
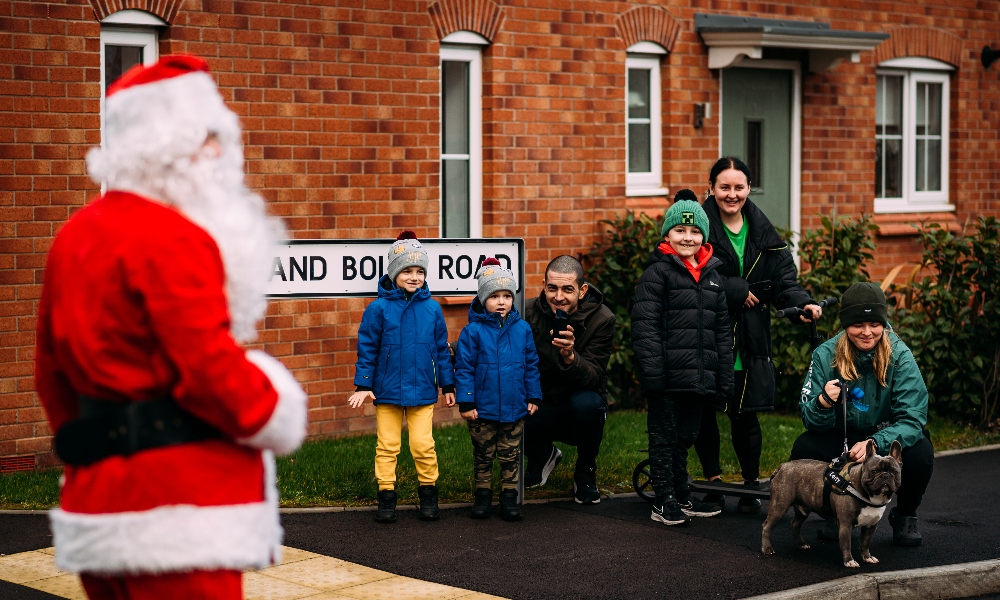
{"points": [[494, 439]]}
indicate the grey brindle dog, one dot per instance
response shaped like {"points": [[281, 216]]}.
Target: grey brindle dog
{"points": [[799, 483]]}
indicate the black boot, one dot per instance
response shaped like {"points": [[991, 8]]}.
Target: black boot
{"points": [[749, 506], [830, 531], [904, 529], [386, 512], [508, 504], [428, 495], [481, 508]]}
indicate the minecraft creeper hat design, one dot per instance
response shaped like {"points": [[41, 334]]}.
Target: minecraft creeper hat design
{"points": [[686, 211]]}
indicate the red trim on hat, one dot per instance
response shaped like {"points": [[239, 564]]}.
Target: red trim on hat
{"points": [[406, 235], [165, 68], [491, 261]]}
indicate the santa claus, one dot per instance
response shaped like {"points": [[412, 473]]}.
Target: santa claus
{"points": [[166, 425]]}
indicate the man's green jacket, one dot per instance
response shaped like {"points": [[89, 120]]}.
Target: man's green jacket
{"points": [[897, 412]]}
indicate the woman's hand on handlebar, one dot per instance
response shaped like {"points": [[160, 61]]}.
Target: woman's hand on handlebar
{"points": [[816, 311], [751, 300]]}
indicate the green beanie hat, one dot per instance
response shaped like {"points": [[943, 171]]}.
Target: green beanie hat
{"points": [[863, 302], [686, 211]]}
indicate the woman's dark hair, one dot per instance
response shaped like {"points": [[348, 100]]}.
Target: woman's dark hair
{"points": [[729, 162]]}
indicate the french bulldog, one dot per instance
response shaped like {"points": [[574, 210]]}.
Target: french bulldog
{"points": [[799, 483]]}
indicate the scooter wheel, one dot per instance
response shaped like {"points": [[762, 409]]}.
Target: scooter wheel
{"points": [[642, 482]]}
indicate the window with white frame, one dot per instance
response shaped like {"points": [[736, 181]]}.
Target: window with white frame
{"points": [[128, 38], [911, 136], [461, 135], [643, 126]]}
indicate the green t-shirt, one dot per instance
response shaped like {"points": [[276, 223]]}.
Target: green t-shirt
{"points": [[739, 241]]}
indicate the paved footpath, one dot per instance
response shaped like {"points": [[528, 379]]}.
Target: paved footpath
{"points": [[565, 550]]}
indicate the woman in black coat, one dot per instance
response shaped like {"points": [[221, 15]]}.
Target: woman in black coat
{"points": [[757, 271]]}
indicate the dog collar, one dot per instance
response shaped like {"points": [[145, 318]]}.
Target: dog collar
{"points": [[837, 480]]}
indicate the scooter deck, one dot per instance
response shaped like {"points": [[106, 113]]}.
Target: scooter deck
{"points": [[732, 489]]}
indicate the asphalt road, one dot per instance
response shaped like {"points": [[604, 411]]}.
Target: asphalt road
{"points": [[614, 550]]}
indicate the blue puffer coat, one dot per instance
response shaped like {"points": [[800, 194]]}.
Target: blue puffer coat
{"points": [[496, 366], [403, 347]]}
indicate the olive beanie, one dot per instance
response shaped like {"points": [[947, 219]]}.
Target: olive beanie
{"points": [[863, 302], [686, 211]]}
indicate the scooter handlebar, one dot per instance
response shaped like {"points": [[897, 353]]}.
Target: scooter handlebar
{"points": [[795, 311]]}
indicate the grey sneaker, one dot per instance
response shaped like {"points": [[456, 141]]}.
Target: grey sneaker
{"points": [[537, 479]]}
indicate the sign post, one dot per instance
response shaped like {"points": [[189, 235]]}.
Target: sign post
{"points": [[352, 268]]}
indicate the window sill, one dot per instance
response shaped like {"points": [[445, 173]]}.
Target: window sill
{"points": [[883, 206], [659, 191], [902, 224]]}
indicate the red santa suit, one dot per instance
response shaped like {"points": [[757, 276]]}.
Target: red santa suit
{"points": [[139, 303]]}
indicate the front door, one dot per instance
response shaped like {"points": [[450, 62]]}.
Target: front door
{"points": [[757, 127]]}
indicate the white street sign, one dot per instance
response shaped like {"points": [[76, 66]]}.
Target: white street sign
{"points": [[331, 268]]}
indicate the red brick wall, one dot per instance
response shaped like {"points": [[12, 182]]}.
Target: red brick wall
{"points": [[339, 101]]}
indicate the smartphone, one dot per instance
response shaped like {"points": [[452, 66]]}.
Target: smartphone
{"points": [[560, 323]]}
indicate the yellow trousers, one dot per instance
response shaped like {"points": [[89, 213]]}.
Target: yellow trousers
{"points": [[390, 439]]}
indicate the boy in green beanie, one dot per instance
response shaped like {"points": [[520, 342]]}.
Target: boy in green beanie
{"points": [[682, 341]]}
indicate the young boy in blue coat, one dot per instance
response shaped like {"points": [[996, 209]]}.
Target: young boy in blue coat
{"points": [[496, 367], [403, 358]]}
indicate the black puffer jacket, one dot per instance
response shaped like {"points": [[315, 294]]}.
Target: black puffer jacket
{"points": [[766, 258], [680, 329]]}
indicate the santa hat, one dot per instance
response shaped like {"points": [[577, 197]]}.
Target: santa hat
{"points": [[493, 278], [405, 252], [156, 115]]}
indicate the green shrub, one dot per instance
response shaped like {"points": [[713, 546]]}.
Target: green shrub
{"points": [[951, 321], [834, 257], [615, 267]]}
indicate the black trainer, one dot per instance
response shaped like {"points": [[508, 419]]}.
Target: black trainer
{"points": [[715, 499], [481, 506], [904, 529], [510, 511], [428, 495], [667, 511], [830, 531], [749, 506], [585, 487], [386, 512], [537, 478], [693, 507]]}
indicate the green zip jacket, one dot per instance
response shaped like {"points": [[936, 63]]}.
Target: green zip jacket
{"points": [[897, 412]]}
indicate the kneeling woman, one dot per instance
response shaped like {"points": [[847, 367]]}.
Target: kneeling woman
{"points": [[868, 355]]}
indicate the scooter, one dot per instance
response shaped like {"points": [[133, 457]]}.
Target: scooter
{"points": [[642, 481]]}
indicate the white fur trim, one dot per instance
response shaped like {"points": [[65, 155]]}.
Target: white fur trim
{"points": [[286, 428], [172, 538]]}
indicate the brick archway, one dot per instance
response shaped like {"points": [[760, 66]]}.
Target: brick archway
{"points": [[648, 24], [927, 42], [165, 9], [481, 16]]}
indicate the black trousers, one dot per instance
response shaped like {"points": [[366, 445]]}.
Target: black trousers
{"points": [[578, 422], [918, 462], [673, 424], [747, 439]]}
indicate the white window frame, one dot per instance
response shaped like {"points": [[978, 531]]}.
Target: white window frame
{"points": [[650, 183], [144, 35], [915, 71], [473, 55]]}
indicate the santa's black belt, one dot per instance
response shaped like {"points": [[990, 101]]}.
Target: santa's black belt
{"points": [[107, 428]]}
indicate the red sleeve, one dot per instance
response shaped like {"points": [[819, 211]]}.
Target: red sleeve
{"points": [[182, 283]]}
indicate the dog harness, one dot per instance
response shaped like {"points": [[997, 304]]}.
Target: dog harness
{"points": [[836, 480]]}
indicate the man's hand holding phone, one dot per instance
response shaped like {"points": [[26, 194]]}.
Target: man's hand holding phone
{"points": [[562, 336]]}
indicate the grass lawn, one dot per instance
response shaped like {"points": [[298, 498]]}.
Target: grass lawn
{"points": [[341, 471]]}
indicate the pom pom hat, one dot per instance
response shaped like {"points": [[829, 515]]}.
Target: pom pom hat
{"points": [[686, 211], [492, 278], [405, 252]]}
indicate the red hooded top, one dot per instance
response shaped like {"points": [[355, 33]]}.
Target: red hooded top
{"points": [[702, 255]]}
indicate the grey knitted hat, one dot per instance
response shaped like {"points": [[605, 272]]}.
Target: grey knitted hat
{"points": [[406, 252], [493, 278]]}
